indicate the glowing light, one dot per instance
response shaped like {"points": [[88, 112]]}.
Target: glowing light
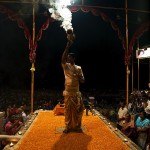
{"points": [[125, 140], [11, 144], [19, 132]]}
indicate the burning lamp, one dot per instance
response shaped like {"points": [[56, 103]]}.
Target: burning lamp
{"points": [[125, 140], [19, 132], [11, 144]]}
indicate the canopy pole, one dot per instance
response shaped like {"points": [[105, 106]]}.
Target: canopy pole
{"points": [[33, 67], [127, 65]]}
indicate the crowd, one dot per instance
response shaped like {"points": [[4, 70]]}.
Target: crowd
{"points": [[133, 119], [14, 119]]}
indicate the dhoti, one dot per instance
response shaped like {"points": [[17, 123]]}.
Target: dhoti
{"points": [[73, 110]]}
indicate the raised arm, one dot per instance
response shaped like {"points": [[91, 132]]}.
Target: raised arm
{"points": [[65, 53], [70, 37]]}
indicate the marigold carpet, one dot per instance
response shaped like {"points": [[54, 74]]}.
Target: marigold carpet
{"points": [[45, 133]]}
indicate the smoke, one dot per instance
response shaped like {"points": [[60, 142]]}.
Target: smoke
{"points": [[57, 8], [60, 12]]}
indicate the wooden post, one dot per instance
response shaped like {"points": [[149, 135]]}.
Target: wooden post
{"points": [[33, 68]]}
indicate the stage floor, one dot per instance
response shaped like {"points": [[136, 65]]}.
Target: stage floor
{"points": [[46, 133]]}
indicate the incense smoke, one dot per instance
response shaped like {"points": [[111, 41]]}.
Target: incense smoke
{"points": [[60, 12]]}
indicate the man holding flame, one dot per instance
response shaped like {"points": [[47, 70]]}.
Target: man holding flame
{"points": [[72, 96]]}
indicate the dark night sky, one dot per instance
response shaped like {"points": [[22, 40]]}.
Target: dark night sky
{"points": [[98, 48]]}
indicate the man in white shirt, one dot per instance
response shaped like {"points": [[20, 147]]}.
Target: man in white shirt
{"points": [[121, 114]]}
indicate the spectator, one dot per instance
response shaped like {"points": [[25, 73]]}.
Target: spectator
{"points": [[13, 125], [121, 115], [128, 127], [142, 125]]}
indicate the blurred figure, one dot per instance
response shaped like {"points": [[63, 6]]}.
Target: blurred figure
{"points": [[23, 114], [87, 106], [121, 115], [128, 127], [13, 125], [13, 109]]}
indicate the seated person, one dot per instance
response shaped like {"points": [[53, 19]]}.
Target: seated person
{"points": [[121, 115], [128, 127], [13, 125]]}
